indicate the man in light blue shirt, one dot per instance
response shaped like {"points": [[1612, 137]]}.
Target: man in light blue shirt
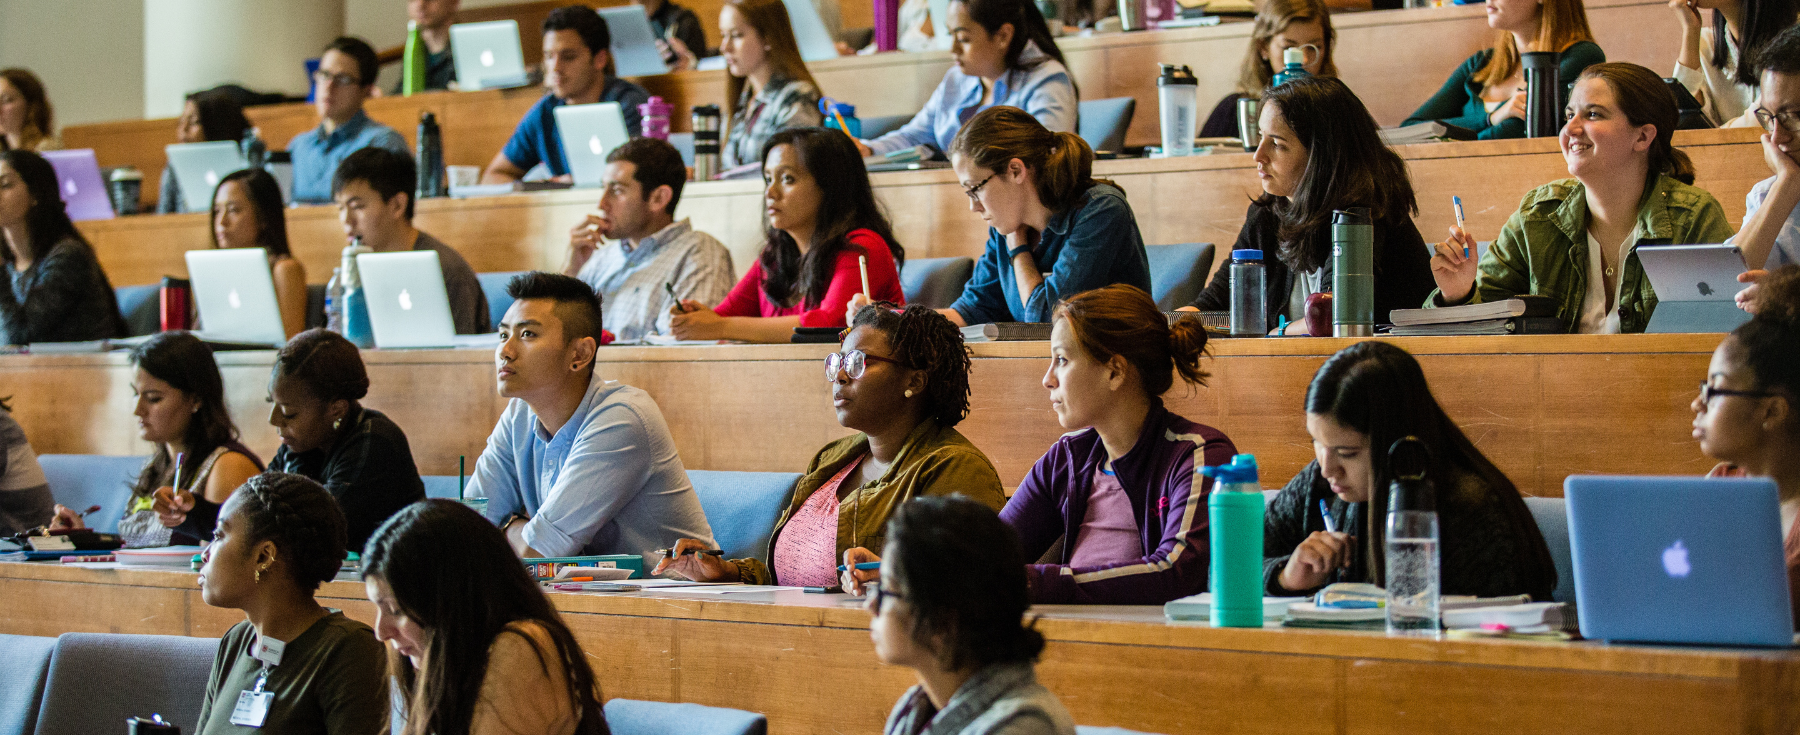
{"points": [[1770, 236], [345, 78], [577, 465]]}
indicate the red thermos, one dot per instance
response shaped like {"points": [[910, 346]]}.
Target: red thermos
{"points": [[177, 304]]}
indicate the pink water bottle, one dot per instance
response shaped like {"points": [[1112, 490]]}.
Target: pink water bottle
{"points": [[887, 25], [654, 117]]}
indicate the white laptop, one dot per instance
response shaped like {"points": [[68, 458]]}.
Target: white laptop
{"points": [[236, 295], [633, 41], [1696, 287], [408, 306], [200, 166], [587, 134], [487, 55], [815, 41]]}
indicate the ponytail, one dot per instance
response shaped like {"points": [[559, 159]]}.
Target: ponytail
{"points": [[1123, 320], [1062, 163], [1681, 167]]}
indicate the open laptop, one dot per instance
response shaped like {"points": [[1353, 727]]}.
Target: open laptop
{"points": [[816, 43], [200, 166], [1679, 560], [1695, 287], [78, 180], [236, 295], [408, 306], [587, 134], [634, 48], [487, 55]]}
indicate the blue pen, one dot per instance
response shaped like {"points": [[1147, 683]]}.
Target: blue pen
{"points": [[863, 567], [1281, 325], [1456, 201], [1325, 513]]}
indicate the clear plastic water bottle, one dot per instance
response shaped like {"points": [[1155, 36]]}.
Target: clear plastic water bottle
{"points": [[1235, 518], [1249, 310], [334, 301], [1413, 555]]}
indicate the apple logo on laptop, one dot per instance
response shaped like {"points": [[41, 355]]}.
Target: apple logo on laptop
{"points": [[405, 300], [594, 145], [69, 186], [1675, 560], [232, 298], [212, 179], [487, 58], [1705, 290]]}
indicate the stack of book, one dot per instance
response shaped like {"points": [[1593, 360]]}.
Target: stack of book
{"points": [[1522, 315]]}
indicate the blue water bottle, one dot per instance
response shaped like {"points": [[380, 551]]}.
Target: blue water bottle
{"points": [[356, 306], [1235, 515], [835, 111]]}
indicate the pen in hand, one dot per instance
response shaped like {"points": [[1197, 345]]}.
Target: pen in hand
{"points": [[1325, 513], [709, 552], [680, 308], [1456, 202]]}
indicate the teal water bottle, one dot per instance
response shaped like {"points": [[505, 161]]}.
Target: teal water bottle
{"points": [[1235, 514], [1293, 67], [356, 306]]}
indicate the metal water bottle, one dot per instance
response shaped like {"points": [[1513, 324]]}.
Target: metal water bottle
{"points": [[706, 142], [431, 182], [1543, 93], [1353, 273], [1178, 102], [1235, 525], [1413, 560], [412, 61]]}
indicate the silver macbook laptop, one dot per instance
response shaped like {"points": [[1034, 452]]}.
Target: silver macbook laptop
{"points": [[78, 180], [1679, 560], [408, 306], [633, 41], [236, 295], [587, 134], [1695, 287], [487, 55], [200, 166], [816, 43]]}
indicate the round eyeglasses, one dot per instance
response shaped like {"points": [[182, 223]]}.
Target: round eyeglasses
{"points": [[852, 362]]}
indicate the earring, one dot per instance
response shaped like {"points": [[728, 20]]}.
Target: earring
{"points": [[908, 392], [337, 424], [259, 572]]}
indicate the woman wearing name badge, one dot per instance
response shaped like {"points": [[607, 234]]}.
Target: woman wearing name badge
{"points": [[208, 116], [1328, 524], [1575, 240], [1321, 152], [52, 288], [902, 382], [1280, 25], [1004, 55], [1745, 416], [951, 606], [247, 213], [823, 223], [767, 86], [293, 666], [1486, 94], [27, 120], [357, 453], [475, 646], [197, 462], [1714, 61]]}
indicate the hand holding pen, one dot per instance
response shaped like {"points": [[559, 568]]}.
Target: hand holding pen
{"points": [[861, 567], [692, 560], [1454, 261], [1316, 560]]}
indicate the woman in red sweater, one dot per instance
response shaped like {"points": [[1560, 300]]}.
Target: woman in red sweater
{"points": [[821, 216]]}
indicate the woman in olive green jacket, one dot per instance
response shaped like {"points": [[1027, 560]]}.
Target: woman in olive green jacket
{"points": [[1575, 240], [902, 380]]}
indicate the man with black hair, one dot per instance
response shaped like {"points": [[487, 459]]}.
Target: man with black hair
{"points": [[373, 189], [1770, 237], [578, 70], [577, 464], [345, 79], [653, 254]]}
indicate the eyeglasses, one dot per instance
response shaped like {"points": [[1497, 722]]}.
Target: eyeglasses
{"points": [[1707, 393], [341, 80], [1789, 119], [976, 189], [853, 362], [877, 594]]}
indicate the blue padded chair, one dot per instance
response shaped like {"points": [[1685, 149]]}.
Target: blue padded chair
{"points": [[875, 127], [742, 507], [1553, 521], [83, 480], [98, 680], [27, 660], [1178, 272], [638, 717], [142, 307], [935, 282], [441, 486], [493, 286], [1102, 123]]}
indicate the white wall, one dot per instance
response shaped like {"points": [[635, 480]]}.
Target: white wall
{"points": [[260, 44], [90, 54]]}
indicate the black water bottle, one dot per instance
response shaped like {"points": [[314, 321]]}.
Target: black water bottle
{"points": [[431, 158], [1543, 93]]}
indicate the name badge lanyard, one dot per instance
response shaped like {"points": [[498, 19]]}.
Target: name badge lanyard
{"points": [[253, 704]]}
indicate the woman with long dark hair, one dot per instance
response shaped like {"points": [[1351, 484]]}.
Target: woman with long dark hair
{"points": [[767, 86], [208, 116], [474, 646], [247, 213], [1715, 61], [1321, 152], [820, 217], [1486, 94], [1364, 399], [53, 289]]}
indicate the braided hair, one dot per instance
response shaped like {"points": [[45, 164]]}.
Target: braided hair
{"points": [[925, 340], [326, 363], [301, 517]]}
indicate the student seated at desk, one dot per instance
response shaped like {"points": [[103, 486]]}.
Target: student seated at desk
{"points": [[578, 464], [822, 216], [1486, 94], [1004, 55], [344, 81], [27, 120], [1280, 25], [767, 85], [279, 537], [247, 213], [679, 35], [1322, 152], [951, 607], [1716, 63], [578, 70], [476, 647], [25, 501], [207, 116], [374, 193], [1575, 240], [902, 382], [655, 262], [1770, 236], [1364, 399], [357, 453], [52, 288], [434, 18]]}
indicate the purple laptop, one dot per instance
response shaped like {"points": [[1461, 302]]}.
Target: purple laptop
{"points": [[78, 180]]}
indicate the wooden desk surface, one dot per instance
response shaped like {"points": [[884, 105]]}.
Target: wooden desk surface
{"points": [[1541, 407], [807, 663]]}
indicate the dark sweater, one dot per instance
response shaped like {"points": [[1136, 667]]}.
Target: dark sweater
{"points": [[1223, 122], [369, 470], [1459, 101], [63, 297]]}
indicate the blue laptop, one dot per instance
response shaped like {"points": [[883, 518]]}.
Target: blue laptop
{"points": [[1679, 560]]}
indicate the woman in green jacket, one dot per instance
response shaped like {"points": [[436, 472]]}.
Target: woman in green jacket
{"points": [[902, 380], [1575, 240]]}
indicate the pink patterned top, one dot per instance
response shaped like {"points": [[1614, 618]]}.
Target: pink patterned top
{"points": [[806, 552]]}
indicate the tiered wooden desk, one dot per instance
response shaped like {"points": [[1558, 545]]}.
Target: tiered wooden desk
{"points": [[1541, 407], [807, 663]]}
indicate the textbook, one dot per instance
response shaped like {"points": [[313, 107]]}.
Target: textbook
{"points": [[1529, 305], [1007, 332], [1513, 325], [1425, 132], [1199, 607], [1529, 617]]}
